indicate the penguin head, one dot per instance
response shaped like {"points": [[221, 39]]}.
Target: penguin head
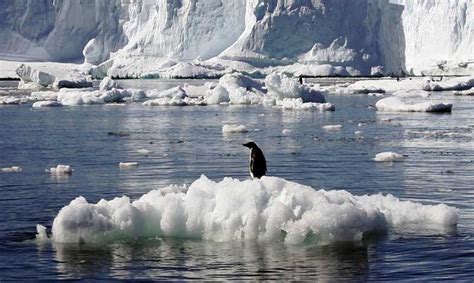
{"points": [[250, 145]]}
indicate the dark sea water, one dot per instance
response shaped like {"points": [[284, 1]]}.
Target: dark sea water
{"points": [[188, 141]]}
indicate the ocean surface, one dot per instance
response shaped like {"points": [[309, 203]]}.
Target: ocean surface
{"points": [[187, 142]]}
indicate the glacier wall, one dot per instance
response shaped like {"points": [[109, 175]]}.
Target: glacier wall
{"points": [[47, 30], [142, 36], [438, 30]]}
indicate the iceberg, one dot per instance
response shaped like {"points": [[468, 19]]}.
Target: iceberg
{"points": [[195, 38], [32, 78]]}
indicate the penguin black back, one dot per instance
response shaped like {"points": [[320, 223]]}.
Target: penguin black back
{"points": [[257, 164]]}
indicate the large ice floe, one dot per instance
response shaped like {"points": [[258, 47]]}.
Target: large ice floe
{"points": [[395, 104], [31, 78], [266, 209], [411, 84]]}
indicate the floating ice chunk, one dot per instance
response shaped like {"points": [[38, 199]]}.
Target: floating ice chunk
{"points": [[286, 131], [199, 90], [332, 127], [175, 96], [397, 105], [234, 129], [358, 133], [70, 98], [13, 100], [128, 165], [384, 85], [41, 233], [114, 95], [462, 83], [281, 86], [32, 78], [107, 84], [13, 169], [144, 151], [298, 104], [388, 157], [61, 170], [48, 103], [242, 89], [171, 92], [43, 95], [217, 95], [465, 92], [72, 80], [266, 209], [136, 95]]}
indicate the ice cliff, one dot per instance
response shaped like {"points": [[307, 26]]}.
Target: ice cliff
{"points": [[150, 37]]}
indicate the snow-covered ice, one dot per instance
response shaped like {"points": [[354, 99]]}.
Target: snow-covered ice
{"points": [[394, 104], [12, 169], [388, 156], [108, 84], [60, 170], [465, 92], [332, 127], [32, 78], [266, 209], [280, 86], [461, 83], [230, 128], [144, 151], [298, 104], [127, 165], [46, 103]]}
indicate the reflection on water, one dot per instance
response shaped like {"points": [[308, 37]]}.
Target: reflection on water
{"points": [[176, 259]]}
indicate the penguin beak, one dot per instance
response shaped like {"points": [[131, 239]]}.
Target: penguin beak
{"points": [[246, 145]]}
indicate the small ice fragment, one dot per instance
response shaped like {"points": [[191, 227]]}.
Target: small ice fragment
{"points": [[360, 124], [144, 151], [234, 129], [358, 132], [41, 233], [286, 131], [332, 127], [388, 157], [13, 169], [126, 165], [61, 170], [49, 103]]}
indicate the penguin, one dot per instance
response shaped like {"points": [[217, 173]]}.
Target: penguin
{"points": [[258, 164]]}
